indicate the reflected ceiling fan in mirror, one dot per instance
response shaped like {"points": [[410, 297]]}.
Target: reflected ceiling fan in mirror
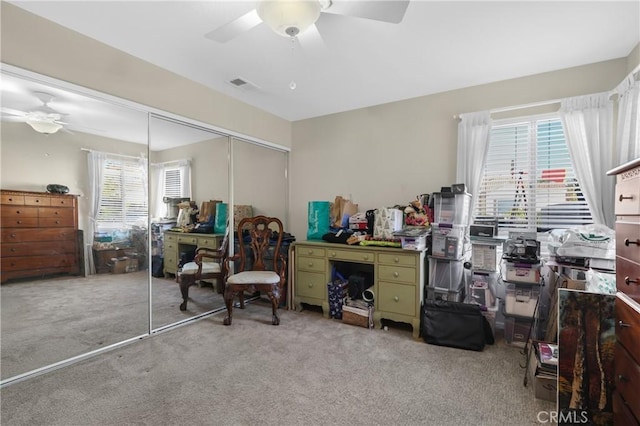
{"points": [[290, 18], [42, 119]]}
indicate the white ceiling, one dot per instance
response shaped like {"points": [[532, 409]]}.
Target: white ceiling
{"points": [[438, 46]]}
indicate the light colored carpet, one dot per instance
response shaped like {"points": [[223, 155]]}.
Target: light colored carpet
{"points": [[47, 321], [307, 370]]}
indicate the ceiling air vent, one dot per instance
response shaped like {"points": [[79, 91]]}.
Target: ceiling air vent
{"points": [[242, 83]]}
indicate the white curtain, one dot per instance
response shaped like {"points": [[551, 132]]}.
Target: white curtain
{"points": [[588, 125], [96, 162], [473, 144], [628, 134]]}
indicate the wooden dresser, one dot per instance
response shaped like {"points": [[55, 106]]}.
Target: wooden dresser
{"points": [[39, 235], [626, 398], [398, 278]]}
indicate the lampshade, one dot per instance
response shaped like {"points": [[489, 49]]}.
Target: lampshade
{"points": [[289, 17], [44, 126]]}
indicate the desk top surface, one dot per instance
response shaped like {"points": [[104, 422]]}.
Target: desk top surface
{"points": [[339, 246]]}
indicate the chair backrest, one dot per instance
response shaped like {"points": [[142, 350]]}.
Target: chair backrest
{"points": [[262, 237]]}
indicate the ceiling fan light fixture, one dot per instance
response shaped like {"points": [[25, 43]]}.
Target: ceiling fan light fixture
{"points": [[289, 18], [43, 126]]}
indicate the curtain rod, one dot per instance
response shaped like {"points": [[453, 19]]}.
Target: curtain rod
{"points": [[516, 107], [112, 153], [164, 163]]}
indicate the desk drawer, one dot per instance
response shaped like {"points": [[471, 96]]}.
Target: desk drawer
{"points": [[627, 379], [311, 251], [352, 256], [628, 278], [311, 284], [398, 259], [628, 326], [170, 238], [313, 264], [397, 274], [211, 243], [628, 240], [188, 239], [396, 298]]}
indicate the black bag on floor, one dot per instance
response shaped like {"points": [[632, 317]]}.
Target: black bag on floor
{"points": [[455, 324]]}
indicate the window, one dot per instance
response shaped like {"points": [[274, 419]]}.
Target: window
{"points": [[123, 193], [528, 180], [173, 182]]}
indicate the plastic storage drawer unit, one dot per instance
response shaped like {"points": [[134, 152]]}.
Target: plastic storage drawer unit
{"points": [[446, 274], [450, 207], [521, 272], [521, 300], [447, 240]]}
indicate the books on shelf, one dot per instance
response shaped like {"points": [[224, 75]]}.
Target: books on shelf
{"points": [[548, 355]]}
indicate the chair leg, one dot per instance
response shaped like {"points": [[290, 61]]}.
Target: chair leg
{"points": [[241, 299], [228, 301], [274, 307], [185, 282]]}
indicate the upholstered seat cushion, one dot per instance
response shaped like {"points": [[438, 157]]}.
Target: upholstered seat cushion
{"points": [[207, 268], [254, 277]]}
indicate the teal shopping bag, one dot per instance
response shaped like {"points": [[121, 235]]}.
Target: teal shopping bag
{"points": [[318, 219]]}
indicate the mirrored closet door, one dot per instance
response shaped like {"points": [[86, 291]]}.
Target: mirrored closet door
{"points": [[189, 173], [53, 134]]}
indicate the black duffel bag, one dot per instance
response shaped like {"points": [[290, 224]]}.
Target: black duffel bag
{"points": [[455, 324]]}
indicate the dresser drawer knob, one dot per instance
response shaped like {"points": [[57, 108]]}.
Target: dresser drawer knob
{"points": [[310, 285], [627, 242], [622, 197], [18, 212], [622, 324], [333, 254], [396, 260], [19, 222], [396, 274], [310, 264], [366, 257], [57, 222], [628, 281], [396, 299]]}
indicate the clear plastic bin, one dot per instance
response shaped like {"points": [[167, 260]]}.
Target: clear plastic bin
{"points": [[521, 272], [448, 295], [517, 331], [482, 288], [521, 300], [447, 240], [485, 256], [451, 208], [447, 275]]}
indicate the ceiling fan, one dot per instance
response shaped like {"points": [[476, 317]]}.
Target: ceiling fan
{"points": [[289, 18], [42, 119]]}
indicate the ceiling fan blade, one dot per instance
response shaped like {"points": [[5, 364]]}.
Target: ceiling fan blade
{"points": [[386, 11], [13, 118], [234, 28], [10, 111]]}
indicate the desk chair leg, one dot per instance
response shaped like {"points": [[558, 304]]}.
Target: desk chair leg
{"points": [[275, 300], [185, 283], [228, 301]]}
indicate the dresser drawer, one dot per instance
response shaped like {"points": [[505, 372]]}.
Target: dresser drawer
{"points": [[38, 262], [628, 278], [397, 259], [38, 249], [627, 316], [56, 222], [36, 200], [621, 412], [311, 251], [627, 379], [396, 298], [62, 202], [397, 274], [628, 240], [313, 264], [310, 284], [627, 200], [170, 238], [13, 199], [170, 264], [14, 212], [351, 256], [26, 235], [20, 222]]}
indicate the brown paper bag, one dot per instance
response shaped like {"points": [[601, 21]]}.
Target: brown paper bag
{"points": [[339, 208]]}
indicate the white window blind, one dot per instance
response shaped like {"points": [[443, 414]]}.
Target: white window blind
{"points": [[173, 183], [528, 181], [123, 194]]}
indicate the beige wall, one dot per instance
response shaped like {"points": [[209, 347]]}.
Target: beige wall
{"points": [[35, 44], [387, 154]]}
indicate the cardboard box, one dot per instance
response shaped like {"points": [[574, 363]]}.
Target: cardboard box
{"points": [[122, 265], [545, 385]]}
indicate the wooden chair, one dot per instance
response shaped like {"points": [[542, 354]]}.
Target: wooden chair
{"points": [[259, 264], [207, 264]]}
